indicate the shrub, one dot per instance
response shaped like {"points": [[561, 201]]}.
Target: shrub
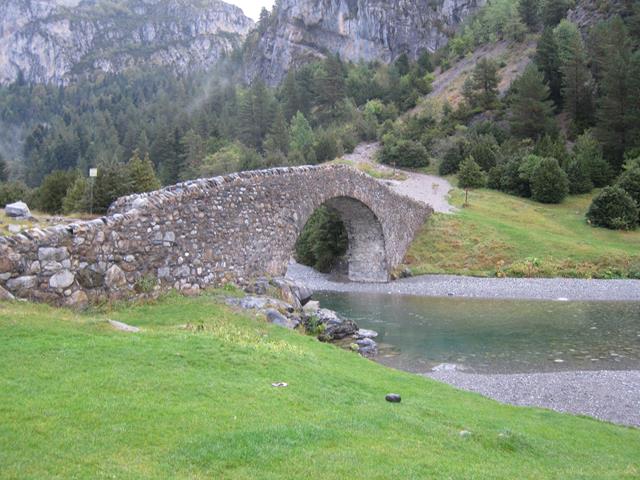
{"points": [[579, 178], [453, 157], [403, 153], [588, 152], [629, 181], [484, 150], [517, 175], [613, 208], [77, 198], [471, 175], [549, 183], [323, 240], [11, 192], [54, 188], [328, 146]]}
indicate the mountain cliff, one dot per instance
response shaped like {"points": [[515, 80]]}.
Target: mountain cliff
{"points": [[48, 41], [299, 30]]}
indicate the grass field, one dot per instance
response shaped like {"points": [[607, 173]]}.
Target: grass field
{"points": [[500, 234], [191, 397]]}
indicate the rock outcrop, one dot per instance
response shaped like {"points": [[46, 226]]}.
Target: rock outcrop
{"points": [[45, 41], [300, 30]]}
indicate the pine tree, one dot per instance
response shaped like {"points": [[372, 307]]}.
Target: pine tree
{"points": [[484, 84], [77, 198], [332, 83], [255, 115], [302, 139], [548, 60], [529, 11], [4, 169], [277, 141], [290, 96], [615, 108], [141, 174], [554, 11], [531, 112], [402, 64], [577, 84], [471, 175]]}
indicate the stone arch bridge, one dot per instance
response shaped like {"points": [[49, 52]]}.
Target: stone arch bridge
{"points": [[206, 232]]}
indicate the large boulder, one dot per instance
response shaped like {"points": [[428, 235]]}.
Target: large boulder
{"points": [[17, 210]]}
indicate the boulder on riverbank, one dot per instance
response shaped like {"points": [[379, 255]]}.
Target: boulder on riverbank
{"points": [[18, 210]]}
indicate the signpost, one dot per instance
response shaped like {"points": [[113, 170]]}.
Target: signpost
{"points": [[93, 173]]}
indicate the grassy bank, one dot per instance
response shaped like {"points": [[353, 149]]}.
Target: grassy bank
{"points": [[499, 234], [191, 397]]}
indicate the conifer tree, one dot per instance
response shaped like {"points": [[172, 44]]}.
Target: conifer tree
{"points": [[4, 169], [577, 84], [141, 174], [616, 119], [553, 11], [471, 175], [482, 89], [302, 139], [531, 112], [548, 61], [529, 11]]}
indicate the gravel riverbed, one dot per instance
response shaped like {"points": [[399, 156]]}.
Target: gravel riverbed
{"points": [[612, 396], [562, 289]]}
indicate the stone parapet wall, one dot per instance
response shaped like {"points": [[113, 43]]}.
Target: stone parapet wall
{"points": [[204, 233]]}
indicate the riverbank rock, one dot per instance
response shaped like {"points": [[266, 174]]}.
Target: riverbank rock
{"points": [[335, 328], [275, 317], [367, 347], [17, 210]]}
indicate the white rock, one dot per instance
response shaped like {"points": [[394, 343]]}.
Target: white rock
{"points": [[62, 279], [123, 327], [17, 210]]}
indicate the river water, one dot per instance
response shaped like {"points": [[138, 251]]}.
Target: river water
{"points": [[418, 334]]}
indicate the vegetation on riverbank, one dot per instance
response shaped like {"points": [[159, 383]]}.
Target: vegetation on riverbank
{"points": [[503, 235], [191, 397]]}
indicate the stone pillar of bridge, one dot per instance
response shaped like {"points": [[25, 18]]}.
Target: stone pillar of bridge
{"points": [[367, 256]]}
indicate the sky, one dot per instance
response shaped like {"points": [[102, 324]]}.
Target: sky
{"points": [[252, 8]]}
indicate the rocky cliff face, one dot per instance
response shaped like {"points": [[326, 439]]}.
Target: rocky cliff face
{"points": [[48, 41], [300, 30]]}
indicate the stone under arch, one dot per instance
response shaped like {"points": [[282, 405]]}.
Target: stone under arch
{"points": [[366, 254]]}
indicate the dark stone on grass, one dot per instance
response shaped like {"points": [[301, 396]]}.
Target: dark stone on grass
{"points": [[275, 317], [393, 398]]}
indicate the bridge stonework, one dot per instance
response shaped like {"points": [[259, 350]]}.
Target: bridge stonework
{"points": [[207, 232]]}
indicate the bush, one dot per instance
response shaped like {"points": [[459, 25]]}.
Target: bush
{"points": [[549, 183], [403, 153], [517, 174], [471, 175], [453, 157], [77, 199], [484, 150], [54, 188], [579, 178], [613, 208], [588, 152], [11, 192], [323, 240], [328, 146], [629, 181]]}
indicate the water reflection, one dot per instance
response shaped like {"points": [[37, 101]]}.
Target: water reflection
{"points": [[496, 336]]}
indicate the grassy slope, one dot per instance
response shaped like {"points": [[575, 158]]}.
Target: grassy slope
{"points": [[529, 237], [79, 400]]}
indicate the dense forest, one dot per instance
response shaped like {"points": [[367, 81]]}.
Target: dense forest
{"points": [[570, 123]]}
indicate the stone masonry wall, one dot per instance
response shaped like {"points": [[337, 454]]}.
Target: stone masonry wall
{"points": [[204, 233]]}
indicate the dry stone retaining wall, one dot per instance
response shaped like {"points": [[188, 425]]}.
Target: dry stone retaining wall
{"points": [[207, 232]]}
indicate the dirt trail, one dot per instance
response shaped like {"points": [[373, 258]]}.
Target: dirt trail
{"points": [[424, 188]]}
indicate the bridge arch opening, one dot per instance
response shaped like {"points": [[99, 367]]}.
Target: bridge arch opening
{"points": [[350, 233]]}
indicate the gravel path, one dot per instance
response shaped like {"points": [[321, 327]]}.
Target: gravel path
{"points": [[562, 289], [428, 189], [613, 396]]}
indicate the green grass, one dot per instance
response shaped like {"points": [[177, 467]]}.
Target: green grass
{"points": [[191, 397], [500, 234]]}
